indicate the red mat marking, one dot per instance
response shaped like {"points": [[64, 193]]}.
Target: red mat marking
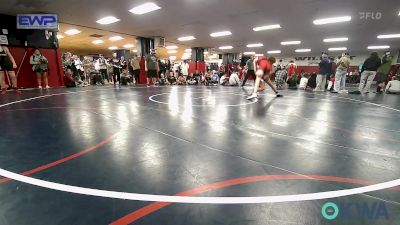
{"points": [[153, 207]]}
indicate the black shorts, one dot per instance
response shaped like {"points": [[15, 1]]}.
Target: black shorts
{"points": [[151, 73], [251, 72], [136, 73], [6, 67], [40, 70]]}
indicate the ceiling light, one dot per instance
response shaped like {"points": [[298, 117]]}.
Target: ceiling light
{"points": [[267, 27], [225, 47], [259, 55], [59, 36], [303, 50], [205, 53], [171, 47], [129, 46], [72, 31], [290, 42], [336, 39], [113, 48], [255, 45], [172, 57], [172, 51], [384, 36], [187, 38], [249, 53], [337, 49], [379, 47], [107, 20], [145, 8], [332, 20], [134, 50], [188, 50], [97, 42], [221, 33], [116, 38], [274, 52]]}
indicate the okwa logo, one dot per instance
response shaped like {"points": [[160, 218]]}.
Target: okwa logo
{"points": [[358, 211]]}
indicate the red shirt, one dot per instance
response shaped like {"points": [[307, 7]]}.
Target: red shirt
{"points": [[264, 64]]}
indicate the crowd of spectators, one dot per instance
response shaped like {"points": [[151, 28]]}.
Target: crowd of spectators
{"points": [[333, 74]]}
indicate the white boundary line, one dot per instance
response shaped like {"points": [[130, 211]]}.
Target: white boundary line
{"points": [[151, 98], [198, 200], [184, 199]]}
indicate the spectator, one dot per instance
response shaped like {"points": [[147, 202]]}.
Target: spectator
{"points": [[151, 67], [171, 80], [7, 64], [162, 68], [69, 80], [281, 76], [191, 80], [77, 68], [181, 80], [292, 82], [312, 81], [222, 70], [198, 76], [291, 67], [224, 81], [370, 66], [383, 71], [303, 82], [331, 82], [207, 78], [103, 69], [341, 71], [324, 70], [393, 87], [250, 67], [176, 69], [126, 78], [40, 66], [87, 67], [234, 79], [135, 63], [185, 69], [162, 81], [214, 78]]}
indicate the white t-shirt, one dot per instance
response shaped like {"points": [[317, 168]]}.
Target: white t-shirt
{"points": [[393, 86], [222, 80], [185, 69], [234, 79], [303, 82], [176, 67]]}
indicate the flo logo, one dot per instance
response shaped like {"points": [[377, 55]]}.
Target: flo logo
{"points": [[359, 211]]}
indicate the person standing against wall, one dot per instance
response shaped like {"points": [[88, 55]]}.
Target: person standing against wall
{"points": [[368, 74], [7, 64], [40, 67], [342, 68], [324, 70], [151, 67], [135, 63], [383, 71]]}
